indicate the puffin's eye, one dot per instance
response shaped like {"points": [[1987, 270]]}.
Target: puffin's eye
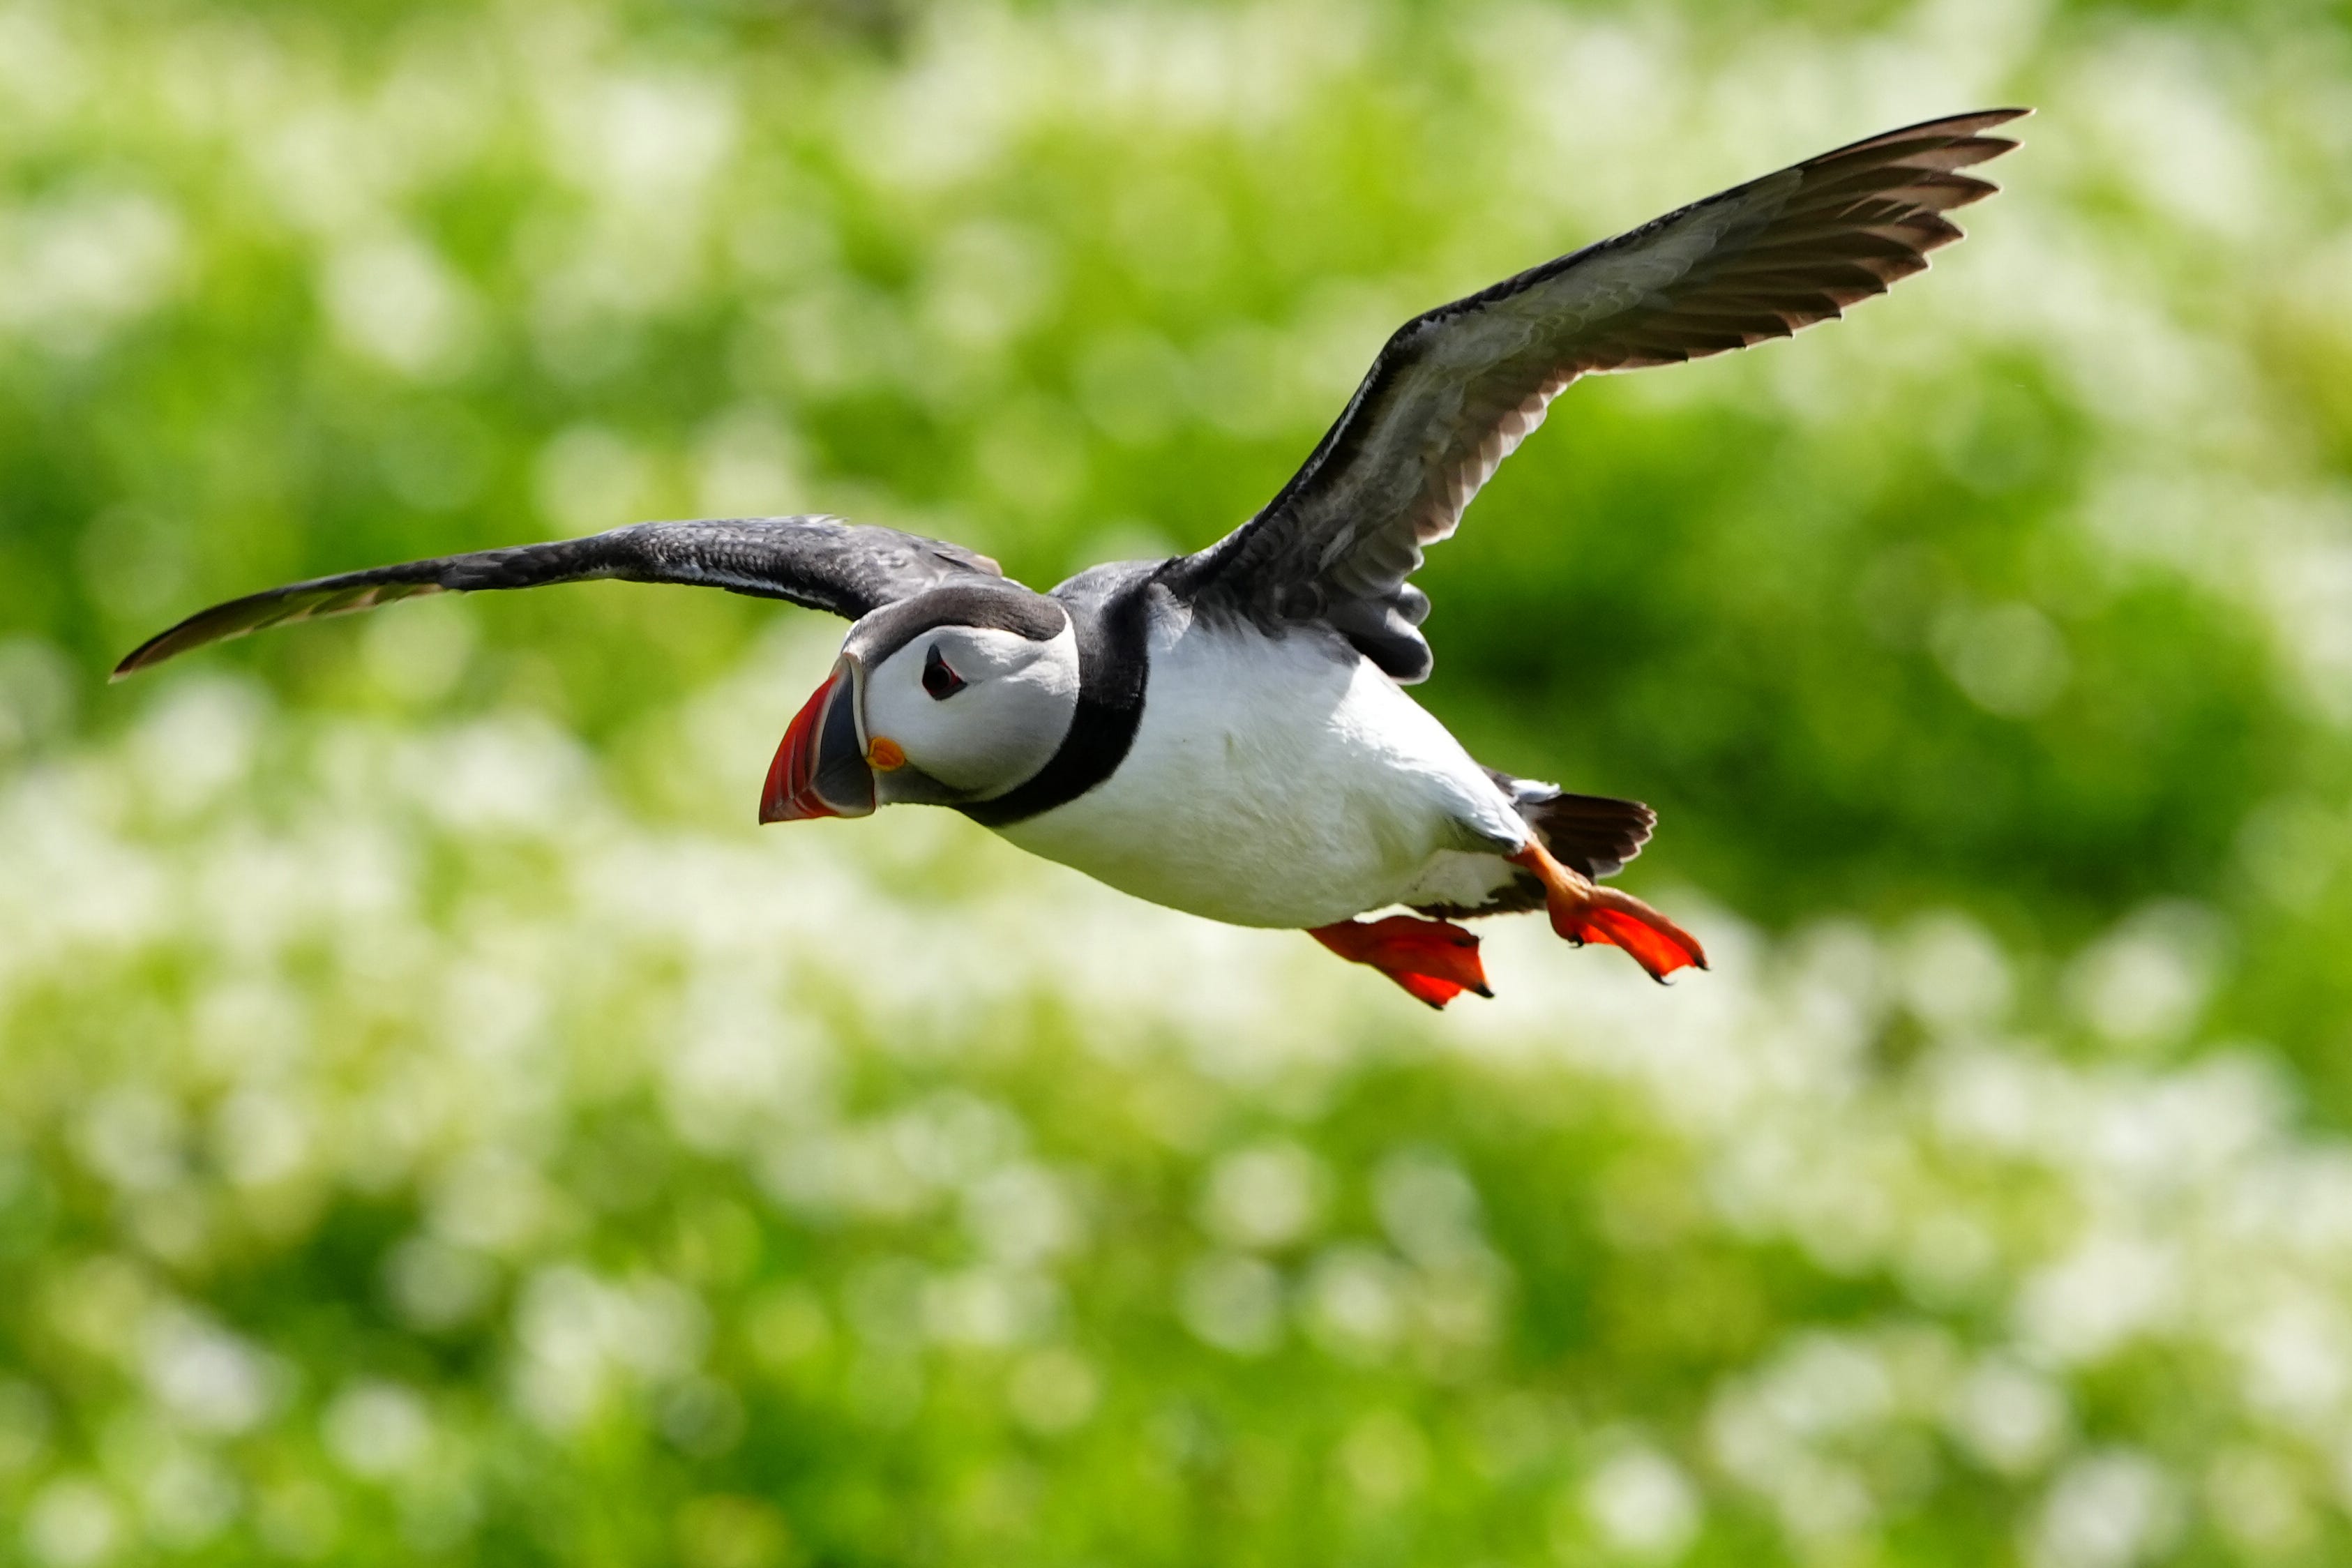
{"points": [[938, 679]]}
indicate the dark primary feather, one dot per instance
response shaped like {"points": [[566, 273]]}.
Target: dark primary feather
{"points": [[818, 561], [1456, 389]]}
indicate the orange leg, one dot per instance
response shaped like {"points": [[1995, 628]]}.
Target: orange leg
{"points": [[1582, 911], [1431, 960]]}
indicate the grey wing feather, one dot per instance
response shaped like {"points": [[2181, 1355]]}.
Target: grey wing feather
{"points": [[822, 563], [1456, 391]]}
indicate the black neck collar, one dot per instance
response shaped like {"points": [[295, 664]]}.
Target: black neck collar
{"points": [[1114, 666]]}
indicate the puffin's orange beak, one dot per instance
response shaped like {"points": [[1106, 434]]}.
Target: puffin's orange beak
{"points": [[821, 769]]}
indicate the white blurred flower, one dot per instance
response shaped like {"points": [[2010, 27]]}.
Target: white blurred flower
{"points": [[434, 1285], [1021, 1216], [742, 1067], [884, 1300], [377, 1429], [580, 1336], [41, 65], [2258, 1501], [1948, 1258], [2009, 1415], [2153, 84], [2296, 1359], [2308, 591], [1774, 1431], [988, 281], [1643, 1504], [259, 1137], [36, 692], [2109, 1289], [1825, 1384], [516, 776], [490, 1200], [72, 1522], [420, 654], [648, 140], [2008, 658], [134, 1137], [208, 1377], [590, 478], [1355, 1303], [397, 302], [1267, 1196], [1826, 1504], [1952, 973], [1429, 1208], [1233, 1302], [2109, 1510], [79, 266], [2145, 982], [747, 464], [954, 1137], [188, 1497], [988, 1307]]}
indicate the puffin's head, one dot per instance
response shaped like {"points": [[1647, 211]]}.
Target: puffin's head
{"points": [[955, 695]]}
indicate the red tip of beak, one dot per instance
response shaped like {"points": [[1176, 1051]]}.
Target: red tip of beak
{"points": [[820, 743], [788, 797]]}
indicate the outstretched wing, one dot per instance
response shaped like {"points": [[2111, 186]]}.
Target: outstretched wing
{"points": [[1456, 391], [822, 563]]}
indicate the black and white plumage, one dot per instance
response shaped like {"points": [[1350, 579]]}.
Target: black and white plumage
{"points": [[1226, 733]]}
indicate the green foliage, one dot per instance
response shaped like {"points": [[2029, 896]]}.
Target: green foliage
{"points": [[435, 1126]]}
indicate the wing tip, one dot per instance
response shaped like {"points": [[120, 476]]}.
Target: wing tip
{"points": [[1970, 122], [1968, 131], [1967, 127], [147, 655]]}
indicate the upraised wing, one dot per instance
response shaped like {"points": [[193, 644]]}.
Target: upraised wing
{"points": [[819, 562], [1456, 391]]}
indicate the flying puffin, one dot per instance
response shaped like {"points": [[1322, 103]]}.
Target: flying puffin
{"points": [[1228, 732]]}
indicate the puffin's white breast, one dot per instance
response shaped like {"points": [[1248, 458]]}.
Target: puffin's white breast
{"points": [[1274, 781]]}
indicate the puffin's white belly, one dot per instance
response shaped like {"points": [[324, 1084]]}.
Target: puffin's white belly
{"points": [[1272, 783]]}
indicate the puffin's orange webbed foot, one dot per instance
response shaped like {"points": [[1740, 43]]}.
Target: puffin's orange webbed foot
{"points": [[1433, 961], [1582, 911]]}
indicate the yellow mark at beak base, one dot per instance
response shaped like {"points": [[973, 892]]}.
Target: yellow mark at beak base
{"points": [[884, 755]]}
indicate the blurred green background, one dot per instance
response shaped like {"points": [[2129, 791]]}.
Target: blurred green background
{"points": [[436, 1126]]}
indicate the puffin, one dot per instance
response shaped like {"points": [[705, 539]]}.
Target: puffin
{"points": [[1229, 732]]}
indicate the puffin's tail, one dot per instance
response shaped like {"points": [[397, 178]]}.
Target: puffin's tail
{"points": [[1592, 833]]}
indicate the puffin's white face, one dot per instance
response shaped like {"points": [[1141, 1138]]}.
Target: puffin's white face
{"points": [[926, 708], [970, 708]]}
